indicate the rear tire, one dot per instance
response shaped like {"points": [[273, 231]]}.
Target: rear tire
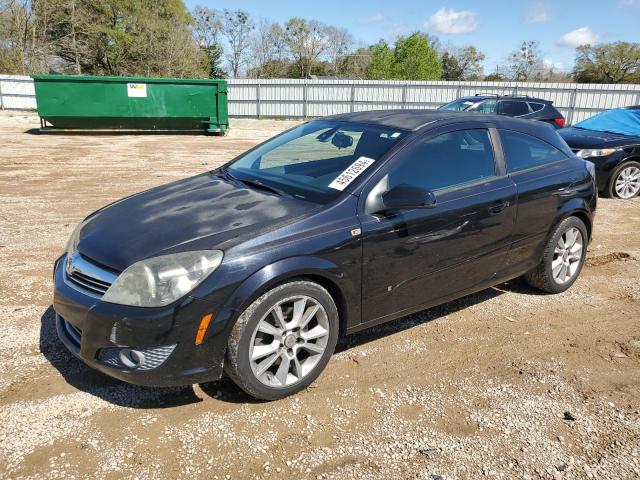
{"points": [[621, 184], [562, 259], [283, 340]]}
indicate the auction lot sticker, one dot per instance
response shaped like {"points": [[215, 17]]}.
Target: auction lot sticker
{"points": [[351, 173], [137, 90]]}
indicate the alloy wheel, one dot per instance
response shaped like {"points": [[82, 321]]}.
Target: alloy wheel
{"points": [[567, 255], [628, 182], [289, 341]]}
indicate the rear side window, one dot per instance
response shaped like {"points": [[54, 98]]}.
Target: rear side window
{"points": [[524, 151], [536, 107], [513, 108], [446, 160]]}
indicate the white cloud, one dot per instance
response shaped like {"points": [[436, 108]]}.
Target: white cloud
{"points": [[375, 18], [452, 21], [580, 36], [538, 13]]}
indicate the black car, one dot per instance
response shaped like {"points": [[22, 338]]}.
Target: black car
{"points": [[329, 228], [513, 106], [611, 140]]}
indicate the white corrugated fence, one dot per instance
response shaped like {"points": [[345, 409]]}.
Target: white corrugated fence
{"points": [[289, 98]]}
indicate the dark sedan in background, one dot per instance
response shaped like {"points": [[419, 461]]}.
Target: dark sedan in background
{"points": [[611, 140], [528, 108]]}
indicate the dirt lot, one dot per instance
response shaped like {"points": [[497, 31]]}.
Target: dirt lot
{"points": [[507, 383]]}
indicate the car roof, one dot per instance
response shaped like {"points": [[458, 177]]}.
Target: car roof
{"points": [[416, 119], [481, 97]]}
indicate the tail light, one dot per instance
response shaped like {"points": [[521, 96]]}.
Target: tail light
{"points": [[559, 121]]}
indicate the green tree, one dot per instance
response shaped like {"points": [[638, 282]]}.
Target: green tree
{"points": [[617, 62], [382, 62], [415, 59], [124, 37], [451, 68]]}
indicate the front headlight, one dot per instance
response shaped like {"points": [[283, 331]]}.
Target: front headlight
{"points": [[158, 281], [598, 152]]}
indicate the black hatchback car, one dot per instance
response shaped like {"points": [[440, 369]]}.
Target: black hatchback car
{"points": [[513, 106], [329, 228]]}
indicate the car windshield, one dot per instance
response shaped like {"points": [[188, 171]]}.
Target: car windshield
{"points": [[458, 105], [316, 160]]}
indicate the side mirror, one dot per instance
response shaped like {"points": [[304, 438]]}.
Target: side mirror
{"points": [[341, 140], [406, 197]]}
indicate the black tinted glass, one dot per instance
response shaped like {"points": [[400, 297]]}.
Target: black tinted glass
{"points": [[514, 108], [446, 160], [524, 151]]}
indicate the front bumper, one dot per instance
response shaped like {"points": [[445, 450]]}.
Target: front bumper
{"points": [[92, 330]]}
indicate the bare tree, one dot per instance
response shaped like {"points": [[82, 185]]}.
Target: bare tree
{"points": [[307, 40], [237, 27], [339, 43], [23, 46], [268, 50], [207, 30], [207, 26], [525, 62]]}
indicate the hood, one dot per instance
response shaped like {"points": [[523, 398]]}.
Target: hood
{"points": [[578, 138], [201, 212]]}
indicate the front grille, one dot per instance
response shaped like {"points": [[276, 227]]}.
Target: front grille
{"points": [[88, 275], [90, 283]]}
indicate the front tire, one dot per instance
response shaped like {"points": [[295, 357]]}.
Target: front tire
{"points": [[283, 340], [625, 181], [562, 259]]}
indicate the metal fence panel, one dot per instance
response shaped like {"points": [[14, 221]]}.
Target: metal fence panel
{"points": [[17, 93], [291, 98]]}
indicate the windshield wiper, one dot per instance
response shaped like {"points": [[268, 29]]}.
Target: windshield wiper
{"points": [[257, 184]]}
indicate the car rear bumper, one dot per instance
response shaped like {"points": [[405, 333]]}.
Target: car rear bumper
{"points": [[98, 333]]}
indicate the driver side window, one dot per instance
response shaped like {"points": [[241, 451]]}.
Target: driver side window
{"points": [[444, 161]]}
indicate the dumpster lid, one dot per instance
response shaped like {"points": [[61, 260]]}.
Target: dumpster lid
{"points": [[98, 78]]}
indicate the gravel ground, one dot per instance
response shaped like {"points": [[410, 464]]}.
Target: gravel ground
{"points": [[506, 383]]}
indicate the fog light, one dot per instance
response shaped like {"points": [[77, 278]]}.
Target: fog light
{"points": [[140, 358], [131, 358]]}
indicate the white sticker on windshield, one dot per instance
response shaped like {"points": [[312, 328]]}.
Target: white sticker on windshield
{"points": [[351, 173]]}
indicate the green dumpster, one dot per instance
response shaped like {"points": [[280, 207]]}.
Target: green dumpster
{"points": [[69, 102]]}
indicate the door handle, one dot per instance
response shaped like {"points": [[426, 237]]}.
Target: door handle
{"points": [[498, 206]]}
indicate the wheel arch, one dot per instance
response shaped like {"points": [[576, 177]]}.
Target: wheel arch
{"points": [[315, 269], [575, 207], [586, 219]]}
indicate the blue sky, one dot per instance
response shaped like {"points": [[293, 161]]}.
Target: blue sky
{"points": [[496, 27]]}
